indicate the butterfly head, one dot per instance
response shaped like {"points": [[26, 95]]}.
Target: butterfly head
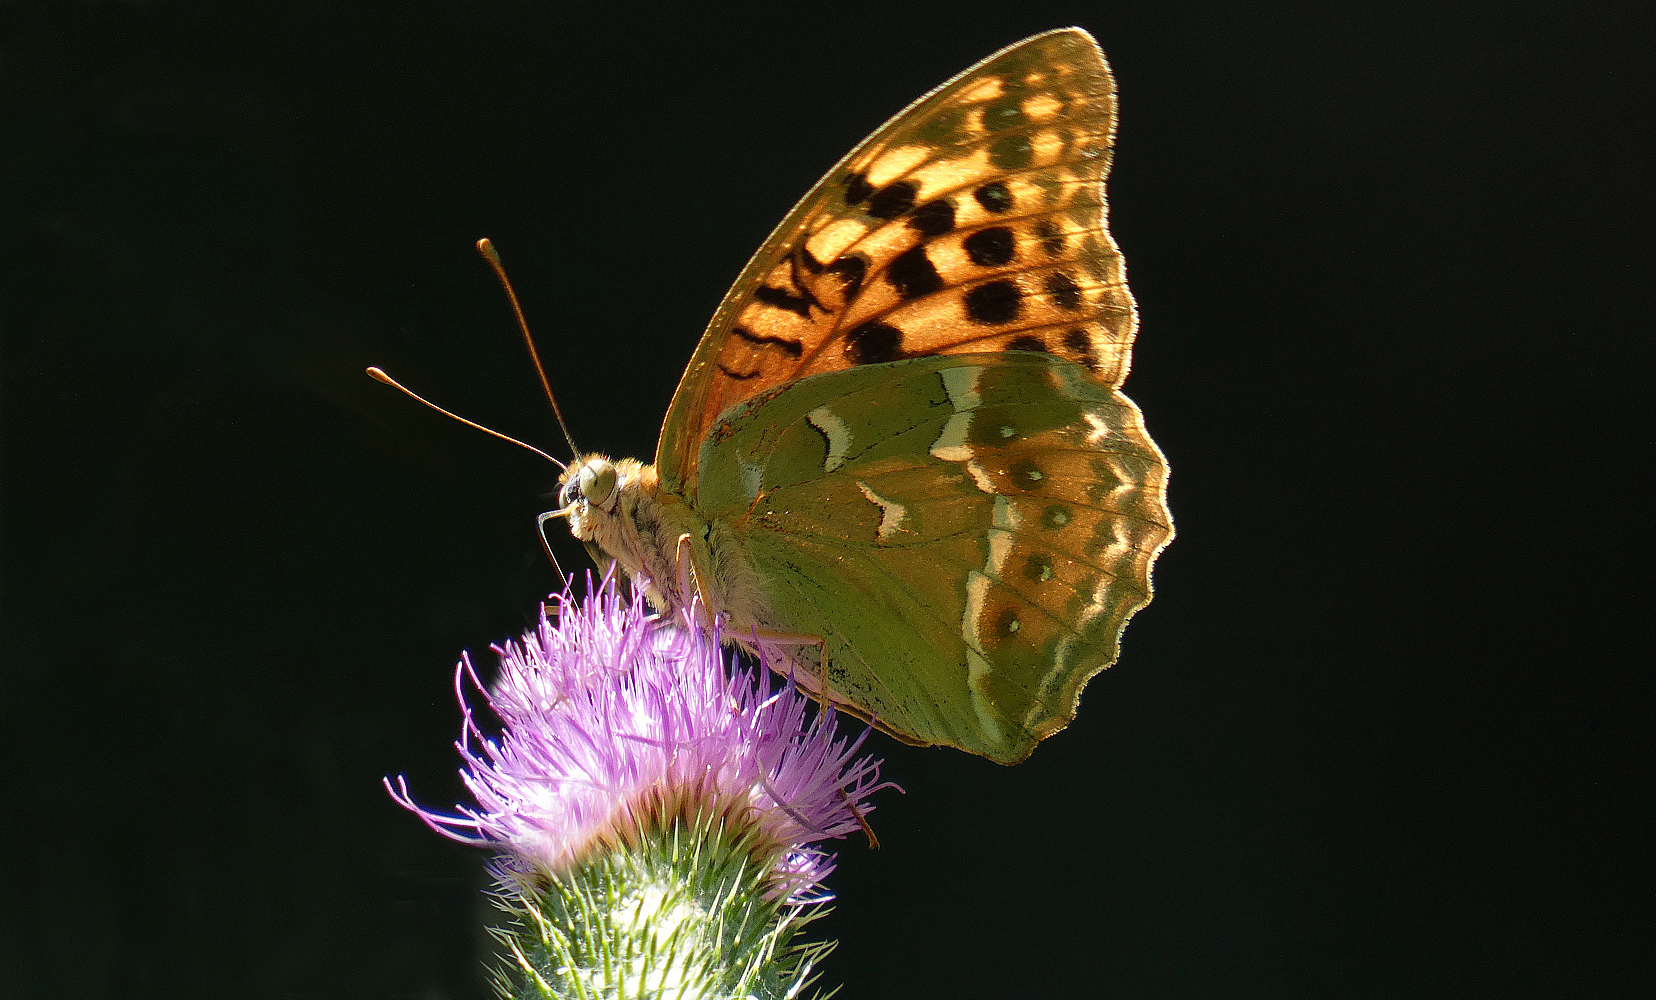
{"points": [[587, 493]]}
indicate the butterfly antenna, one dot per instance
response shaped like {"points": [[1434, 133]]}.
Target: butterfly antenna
{"points": [[487, 249], [388, 380]]}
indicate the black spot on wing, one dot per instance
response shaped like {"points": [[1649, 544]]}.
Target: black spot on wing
{"points": [[850, 270], [892, 200], [1038, 567], [1012, 152], [738, 376], [934, 218], [912, 274], [1105, 478], [990, 247], [1064, 291], [792, 348], [1027, 475], [874, 343], [779, 298], [1004, 114], [994, 197], [1081, 346], [995, 303], [1051, 237], [857, 189], [1027, 343]]}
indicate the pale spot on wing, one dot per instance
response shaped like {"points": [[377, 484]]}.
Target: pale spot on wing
{"points": [[1006, 515], [949, 256], [884, 244], [977, 588], [961, 386], [834, 238], [949, 175], [1000, 539], [894, 162], [891, 513], [1048, 145], [1099, 428], [980, 476], [985, 90], [977, 668], [838, 435], [1042, 106]]}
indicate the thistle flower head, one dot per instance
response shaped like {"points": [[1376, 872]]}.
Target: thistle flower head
{"points": [[616, 726]]}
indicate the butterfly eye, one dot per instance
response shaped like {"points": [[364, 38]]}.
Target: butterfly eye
{"points": [[597, 481]]}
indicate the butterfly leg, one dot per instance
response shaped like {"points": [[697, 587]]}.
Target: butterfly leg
{"points": [[774, 638], [862, 821], [684, 557]]}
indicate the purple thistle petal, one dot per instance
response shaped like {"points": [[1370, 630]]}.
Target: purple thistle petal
{"points": [[612, 722]]}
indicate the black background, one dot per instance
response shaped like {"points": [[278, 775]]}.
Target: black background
{"points": [[1374, 736]]}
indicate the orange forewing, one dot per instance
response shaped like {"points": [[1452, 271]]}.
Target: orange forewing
{"points": [[973, 221]]}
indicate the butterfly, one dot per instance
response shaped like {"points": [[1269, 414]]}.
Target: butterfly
{"points": [[898, 465]]}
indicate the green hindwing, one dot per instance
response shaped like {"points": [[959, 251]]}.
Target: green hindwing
{"points": [[968, 533]]}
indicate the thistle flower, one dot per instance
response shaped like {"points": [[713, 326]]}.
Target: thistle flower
{"points": [[659, 814]]}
